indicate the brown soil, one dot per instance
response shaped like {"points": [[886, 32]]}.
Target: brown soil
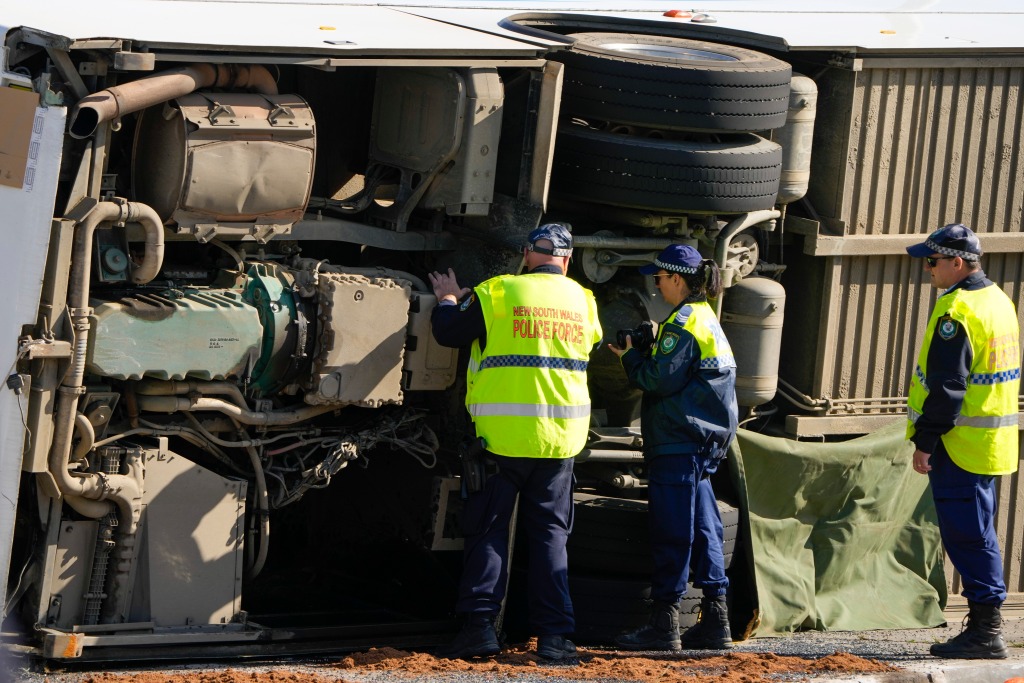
{"points": [[735, 667]]}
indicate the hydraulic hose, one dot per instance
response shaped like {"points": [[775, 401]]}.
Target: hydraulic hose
{"points": [[173, 404]]}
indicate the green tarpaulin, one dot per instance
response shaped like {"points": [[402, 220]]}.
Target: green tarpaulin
{"points": [[842, 535]]}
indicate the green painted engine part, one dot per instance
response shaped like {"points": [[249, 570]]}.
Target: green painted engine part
{"points": [[269, 289], [199, 334]]}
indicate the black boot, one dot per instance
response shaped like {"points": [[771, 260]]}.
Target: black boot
{"points": [[476, 639], [660, 633], [711, 632], [555, 648], [981, 639]]}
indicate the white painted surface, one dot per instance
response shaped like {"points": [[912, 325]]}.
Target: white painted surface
{"points": [[415, 26], [25, 217], [294, 27], [821, 26]]}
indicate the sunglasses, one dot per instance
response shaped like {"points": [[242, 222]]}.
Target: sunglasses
{"points": [[933, 261]]}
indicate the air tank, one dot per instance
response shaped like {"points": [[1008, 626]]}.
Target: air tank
{"points": [[796, 138], [752, 311]]}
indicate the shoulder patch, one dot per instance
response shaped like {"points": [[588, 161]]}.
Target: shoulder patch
{"points": [[947, 327], [468, 302], [668, 342]]}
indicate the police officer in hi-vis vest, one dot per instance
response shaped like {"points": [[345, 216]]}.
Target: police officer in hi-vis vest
{"points": [[527, 395], [962, 411], [688, 419]]}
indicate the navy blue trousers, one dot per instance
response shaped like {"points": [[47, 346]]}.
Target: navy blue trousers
{"points": [[685, 527], [544, 487], [965, 503]]}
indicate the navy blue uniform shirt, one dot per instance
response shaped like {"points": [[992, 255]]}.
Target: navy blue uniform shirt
{"points": [[686, 408]]}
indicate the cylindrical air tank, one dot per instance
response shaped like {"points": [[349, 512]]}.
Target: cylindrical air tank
{"points": [[796, 138], [752, 312]]}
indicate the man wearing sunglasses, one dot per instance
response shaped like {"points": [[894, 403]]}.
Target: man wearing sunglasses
{"points": [[962, 411]]}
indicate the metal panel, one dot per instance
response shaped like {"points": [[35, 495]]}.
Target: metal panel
{"points": [[933, 145], [23, 246], [925, 147], [191, 554], [886, 299]]}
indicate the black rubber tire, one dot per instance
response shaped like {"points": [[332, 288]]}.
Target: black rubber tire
{"points": [[673, 83], [606, 607], [736, 176], [611, 536]]}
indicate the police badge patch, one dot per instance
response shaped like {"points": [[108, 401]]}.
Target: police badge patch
{"points": [[468, 302], [947, 328], [669, 341]]}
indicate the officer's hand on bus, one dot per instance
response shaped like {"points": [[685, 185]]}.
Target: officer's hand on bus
{"points": [[921, 462], [446, 286], [618, 350]]}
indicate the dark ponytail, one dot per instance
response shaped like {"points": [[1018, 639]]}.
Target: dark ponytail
{"points": [[705, 283]]}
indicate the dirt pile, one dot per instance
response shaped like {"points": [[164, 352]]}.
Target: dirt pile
{"points": [[732, 667]]}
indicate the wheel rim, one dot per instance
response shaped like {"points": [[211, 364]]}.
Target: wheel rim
{"points": [[667, 52]]}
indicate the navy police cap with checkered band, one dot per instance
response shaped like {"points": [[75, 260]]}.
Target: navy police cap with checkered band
{"points": [[950, 240], [675, 258], [560, 236]]}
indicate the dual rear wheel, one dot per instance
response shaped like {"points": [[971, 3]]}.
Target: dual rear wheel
{"points": [[667, 124]]}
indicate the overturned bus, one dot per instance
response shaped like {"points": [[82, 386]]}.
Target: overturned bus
{"points": [[226, 427]]}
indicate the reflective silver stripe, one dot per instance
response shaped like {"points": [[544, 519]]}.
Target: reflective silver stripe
{"points": [[988, 421], [982, 422], [529, 410]]}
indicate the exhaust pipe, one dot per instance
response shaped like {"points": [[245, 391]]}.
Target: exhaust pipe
{"points": [[116, 101]]}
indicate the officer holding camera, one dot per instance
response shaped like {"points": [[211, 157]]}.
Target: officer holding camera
{"points": [[527, 393], [688, 419]]}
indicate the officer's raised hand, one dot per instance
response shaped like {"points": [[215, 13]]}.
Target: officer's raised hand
{"points": [[446, 286]]}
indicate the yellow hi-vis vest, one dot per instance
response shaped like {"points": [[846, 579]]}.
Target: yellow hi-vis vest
{"points": [[700, 320], [984, 438], [527, 390]]}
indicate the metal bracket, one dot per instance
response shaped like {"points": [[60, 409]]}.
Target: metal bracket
{"points": [[845, 61], [40, 348], [220, 110], [134, 61], [281, 112], [57, 645], [264, 232]]}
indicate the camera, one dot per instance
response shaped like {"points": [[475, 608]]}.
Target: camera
{"points": [[642, 336]]}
